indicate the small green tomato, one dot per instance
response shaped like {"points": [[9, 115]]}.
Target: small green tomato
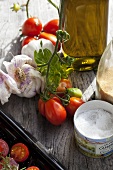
{"points": [[16, 7], [74, 92]]}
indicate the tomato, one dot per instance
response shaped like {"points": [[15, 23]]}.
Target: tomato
{"points": [[73, 105], [4, 148], [19, 152], [41, 107], [55, 112], [64, 83], [52, 26], [48, 36], [41, 104], [32, 27], [32, 168], [27, 40], [74, 92], [57, 99]]}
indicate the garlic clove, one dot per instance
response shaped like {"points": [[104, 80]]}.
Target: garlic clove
{"points": [[7, 86], [19, 60]]}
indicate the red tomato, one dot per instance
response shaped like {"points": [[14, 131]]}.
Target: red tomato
{"points": [[32, 27], [55, 112], [52, 26], [27, 40], [19, 152], [4, 148], [64, 83], [48, 36], [41, 107], [57, 99], [73, 105], [33, 168], [41, 104]]}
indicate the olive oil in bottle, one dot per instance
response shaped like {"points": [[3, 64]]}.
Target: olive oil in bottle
{"points": [[86, 21]]}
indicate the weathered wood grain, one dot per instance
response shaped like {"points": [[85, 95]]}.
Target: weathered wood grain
{"points": [[59, 139]]}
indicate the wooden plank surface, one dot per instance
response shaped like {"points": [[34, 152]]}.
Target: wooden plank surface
{"points": [[59, 139]]}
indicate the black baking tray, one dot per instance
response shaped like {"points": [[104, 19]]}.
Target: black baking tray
{"points": [[12, 132]]}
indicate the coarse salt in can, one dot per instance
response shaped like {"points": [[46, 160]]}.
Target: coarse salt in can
{"points": [[93, 128]]}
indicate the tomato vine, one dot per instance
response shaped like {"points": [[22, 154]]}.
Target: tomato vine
{"points": [[62, 65]]}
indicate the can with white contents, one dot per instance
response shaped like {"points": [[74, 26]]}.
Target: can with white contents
{"points": [[93, 127]]}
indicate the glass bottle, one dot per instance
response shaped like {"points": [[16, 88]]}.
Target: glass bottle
{"points": [[86, 21]]}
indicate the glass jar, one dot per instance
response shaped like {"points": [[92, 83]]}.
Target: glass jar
{"points": [[86, 21]]}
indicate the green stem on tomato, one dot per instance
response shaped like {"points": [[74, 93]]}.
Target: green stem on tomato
{"points": [[27, 11], [55, 50], [62, 61], [61, 14], [26, 6], [52, 3], [64, 101], [42, 65], [56, 46]]}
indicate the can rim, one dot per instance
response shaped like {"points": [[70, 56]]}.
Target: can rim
{"points": [[93, 104]]}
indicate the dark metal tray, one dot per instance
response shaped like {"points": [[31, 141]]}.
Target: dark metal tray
{"points": [[12, 132]]}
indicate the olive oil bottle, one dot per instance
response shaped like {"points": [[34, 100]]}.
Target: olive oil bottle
{"points": [[86, 21]]}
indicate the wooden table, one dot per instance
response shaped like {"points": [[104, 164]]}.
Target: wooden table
{"points": [[60, 139]]}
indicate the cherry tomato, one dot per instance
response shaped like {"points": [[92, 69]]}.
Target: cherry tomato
{"points": [[32, 27], [32, 168], [41, 107], [48, 36], [19, 152], [74, 92], [55, 112], [27, 40], [57, 99], [4, 148], [73, 105], [41, 104], [64, 83], [52, 26]]}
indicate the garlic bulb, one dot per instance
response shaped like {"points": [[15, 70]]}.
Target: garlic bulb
{"points": [[7, 86], [29, 80], [36, 45]]}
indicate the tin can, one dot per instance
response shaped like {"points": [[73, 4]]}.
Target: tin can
{"points": [[89, 146]]}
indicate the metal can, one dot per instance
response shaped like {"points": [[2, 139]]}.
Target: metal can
{"points": [[87, 143]]}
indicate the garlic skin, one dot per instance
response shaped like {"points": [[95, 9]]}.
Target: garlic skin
{"points": [[36, 45], [7, 86], [29, 80]]}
